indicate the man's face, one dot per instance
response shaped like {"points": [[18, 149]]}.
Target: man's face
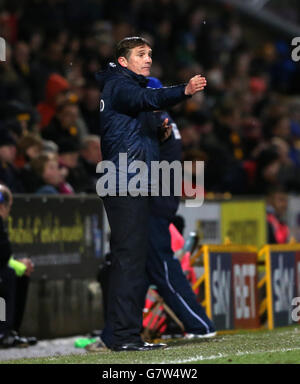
{"points": [[279, 202], [68, 116], [93, 152], [8, 153], [52, 173], [33, 151], [139, 60]]}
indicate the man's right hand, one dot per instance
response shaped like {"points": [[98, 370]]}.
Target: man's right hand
{"points": [[196, 84], [29, 266]]}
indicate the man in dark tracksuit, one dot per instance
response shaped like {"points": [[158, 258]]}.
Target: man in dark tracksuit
{"points": [[163, 268], [11, 289], [128, 126], [7, 275]]}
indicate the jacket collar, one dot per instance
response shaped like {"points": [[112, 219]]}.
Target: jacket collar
{"points": [[115, 69], [142, 80]]}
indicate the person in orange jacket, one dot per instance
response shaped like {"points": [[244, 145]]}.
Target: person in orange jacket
{"points": [[57, 93]]}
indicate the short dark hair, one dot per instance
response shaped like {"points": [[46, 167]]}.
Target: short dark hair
{"points": [[38, 164], [273, 190], [29, 140], [124, 46]]}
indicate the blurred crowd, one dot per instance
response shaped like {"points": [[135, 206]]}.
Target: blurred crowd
{"points": [[245, 126]]}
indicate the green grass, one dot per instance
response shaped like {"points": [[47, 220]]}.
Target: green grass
{"points": [[287, 357], [278, 346]]}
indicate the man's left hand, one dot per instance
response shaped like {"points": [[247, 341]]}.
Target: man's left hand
{"points": [[165, 130]]}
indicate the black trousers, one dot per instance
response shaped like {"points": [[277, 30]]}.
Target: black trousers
{"points": [[128, 219], [14, 291]]}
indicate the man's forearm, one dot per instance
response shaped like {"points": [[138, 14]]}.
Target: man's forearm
{"points": [[132, 98]]}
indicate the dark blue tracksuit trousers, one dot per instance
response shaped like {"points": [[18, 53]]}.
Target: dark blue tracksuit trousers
{"points": [[128, 219], [164, 271]]}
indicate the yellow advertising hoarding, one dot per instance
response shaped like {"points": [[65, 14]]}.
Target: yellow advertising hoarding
{"points": [[244, 222]]}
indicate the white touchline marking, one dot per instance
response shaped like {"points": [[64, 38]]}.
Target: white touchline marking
{"points": [[220, 355]]}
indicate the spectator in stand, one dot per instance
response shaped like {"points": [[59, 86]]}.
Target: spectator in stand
{"points": [[190, 136], [20, 118], [68, 152], [267, 171], [83, 176], [68, 156], [63, 126], [277, 204], [9, 175], [252, 136], [12, 86], [90, 155], [57, 94], [227, 128], [51, 179], [279, 127], [89, 107], [289, 174], [58, 46], [22, 66], [29, 147]]}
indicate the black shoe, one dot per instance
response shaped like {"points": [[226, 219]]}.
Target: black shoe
{"points": [[31, 340], [11, 340], [140, 346]]}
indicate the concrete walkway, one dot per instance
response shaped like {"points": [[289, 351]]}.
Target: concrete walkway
{"points": [[44, 348]]}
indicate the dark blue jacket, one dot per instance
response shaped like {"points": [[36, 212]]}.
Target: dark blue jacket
{"points": [[127, 124]]}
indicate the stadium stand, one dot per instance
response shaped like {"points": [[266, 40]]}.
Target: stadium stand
{"points": [[53, 49]]}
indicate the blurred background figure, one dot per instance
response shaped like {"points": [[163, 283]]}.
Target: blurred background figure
{"points": [[63, 125], [14, 282], [49, 177], [89, 107], [9, 174], [56, 94], [277, 205], [83, 176], [29, 147]]}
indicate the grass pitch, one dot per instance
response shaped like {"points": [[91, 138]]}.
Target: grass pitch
{"points": [[261, 347]]}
